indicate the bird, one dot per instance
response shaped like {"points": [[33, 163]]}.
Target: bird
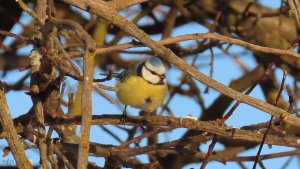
{"points": [[143, 85]]}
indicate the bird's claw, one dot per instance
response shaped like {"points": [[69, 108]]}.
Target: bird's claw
{"points": [[124, 116]]}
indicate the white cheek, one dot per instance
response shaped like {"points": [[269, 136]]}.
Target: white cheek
{"points": [[158, 69], [149, 76]]}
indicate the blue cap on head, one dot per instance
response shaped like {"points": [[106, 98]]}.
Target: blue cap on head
{"points": [[156, 65], [155, 61]]}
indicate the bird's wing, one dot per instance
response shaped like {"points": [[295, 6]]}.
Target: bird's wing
{"points": [[132, 71]]}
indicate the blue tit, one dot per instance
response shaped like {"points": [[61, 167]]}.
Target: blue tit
{"points": [[144, 85]]}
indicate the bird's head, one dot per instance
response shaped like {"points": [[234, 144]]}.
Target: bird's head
{"points": [[153, 71]]}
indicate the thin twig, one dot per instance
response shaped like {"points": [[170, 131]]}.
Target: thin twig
{"points": [[261, 164], [19, 83], [70, 102], [209, 152], [61, 97], [287, 162], [171, 40], [144, 135], [109, 88], [111, 133], [20, 37], [211, 64], [292, 98], [50, 151], [261, 79], [270, 122], [63, 158], [262, 157], [104, 95], [27, 9]]}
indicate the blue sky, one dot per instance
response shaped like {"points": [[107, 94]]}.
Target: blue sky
{"points": [[19, 102]]}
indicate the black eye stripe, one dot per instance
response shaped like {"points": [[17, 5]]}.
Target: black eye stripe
{"points": [[151, 71], [154, 73]]}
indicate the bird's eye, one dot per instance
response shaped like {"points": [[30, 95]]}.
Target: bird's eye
{"points": [[151, 71]]}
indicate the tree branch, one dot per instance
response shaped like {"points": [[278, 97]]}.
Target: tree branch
{"points": [[166, 54], [11, 134], [86, 103], [210, 127]]}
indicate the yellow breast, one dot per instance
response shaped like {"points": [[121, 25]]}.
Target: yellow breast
{"points": [[137, 92]]}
